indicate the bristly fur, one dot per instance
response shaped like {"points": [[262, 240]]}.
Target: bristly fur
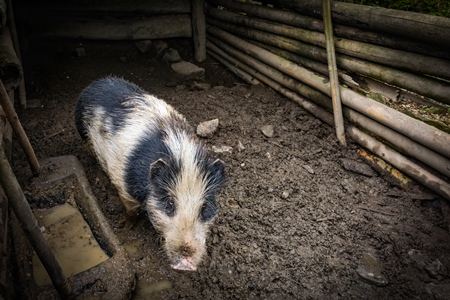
{"points": [[155, 161]]}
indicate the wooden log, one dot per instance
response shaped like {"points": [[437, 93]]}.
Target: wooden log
{"points": [[407, 146], [13, 119], [426, 86], [157, 27], [426, 28], [414, 129], [404, 60], [405, 165], [15, 40], [31, 228], [333, 75], [3, 13], [105, 7], [198, 29], [306, 22], [10, 68], [230, 64]]}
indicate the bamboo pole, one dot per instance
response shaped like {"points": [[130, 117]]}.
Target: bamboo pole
{"points": [[295, 19], [414, 129], [426, 28], [29, 224], [403, 164], [411, 62], [198, 29], [237, 71], [15, 39], [426, 86], [408, 146], [334, 81], [13, 119]]}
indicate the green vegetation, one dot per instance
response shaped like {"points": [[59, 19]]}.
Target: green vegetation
{"points": [[431, 7]]}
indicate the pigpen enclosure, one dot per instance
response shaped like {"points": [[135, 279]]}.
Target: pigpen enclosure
{"points": [[333, 124]]}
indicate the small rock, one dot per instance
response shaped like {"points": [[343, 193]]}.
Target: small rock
{"points": [[160, 47], [240, 146], [34, 103], [200, 86], [123, 58], [143, 46], [222, 149], [348, 186], [267, 130], [370, 270], [206, 129], [438, 291], [436, 270], [285, 195], [80, 52], [189, 71], [357, 167], [171, 56], [309, 169]]}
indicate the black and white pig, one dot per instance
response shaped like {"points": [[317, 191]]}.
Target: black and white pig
{"points": [[155, 161]]}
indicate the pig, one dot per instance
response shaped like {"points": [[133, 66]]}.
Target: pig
{"points": [[156, 162]]}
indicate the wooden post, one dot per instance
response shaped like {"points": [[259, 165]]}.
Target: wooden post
{"points": [[29, 224], [13, 119], [198, 29], [334, 81], [15, 39]]}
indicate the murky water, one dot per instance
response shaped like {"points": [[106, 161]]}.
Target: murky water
{"points": [[71, 240]]}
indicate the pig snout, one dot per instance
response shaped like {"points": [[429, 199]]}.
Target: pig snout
{"points": [[184, 265]]}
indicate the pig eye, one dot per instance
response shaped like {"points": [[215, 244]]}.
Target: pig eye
{"points": [[169, 207], [208, 211]]}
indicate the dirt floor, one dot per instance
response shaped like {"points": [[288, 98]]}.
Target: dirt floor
{"points": [[293, 223]]}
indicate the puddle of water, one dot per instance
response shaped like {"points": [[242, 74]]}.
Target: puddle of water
{"points": [[71, 240], [144, 290], [152, 282]]}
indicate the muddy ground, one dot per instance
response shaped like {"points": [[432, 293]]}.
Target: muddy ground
{"points": [[293, 223]]}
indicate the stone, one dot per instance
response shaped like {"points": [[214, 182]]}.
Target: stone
{"points": [[208, 128], [188, 71], [143, 46], [268, 130], [171, 56], [357, 167]]}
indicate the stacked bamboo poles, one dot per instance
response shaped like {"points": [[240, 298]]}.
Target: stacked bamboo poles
{"points": [[411, 136], [376, 64]]}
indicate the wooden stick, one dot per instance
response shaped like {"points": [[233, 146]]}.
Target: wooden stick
{"points": [[414, 129], [198, 29], [29, 224], [13, 119], [334, 81], [298, 20], [426, 86]]}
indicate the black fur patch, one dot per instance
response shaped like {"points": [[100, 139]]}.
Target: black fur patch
{"points": [[110, 93]]}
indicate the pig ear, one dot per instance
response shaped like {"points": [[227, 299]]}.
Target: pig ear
{"points": [[217, 168], [156, 168]]}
